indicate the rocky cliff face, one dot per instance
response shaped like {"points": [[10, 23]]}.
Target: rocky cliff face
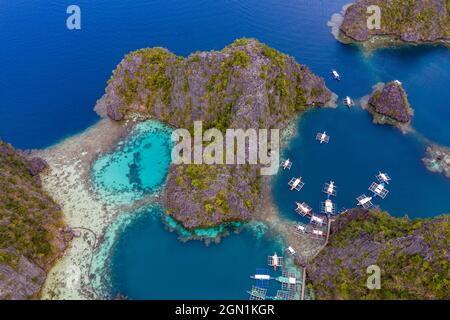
{"points": [[410, 21], [245, 85], [413, 256], [31, 233]]}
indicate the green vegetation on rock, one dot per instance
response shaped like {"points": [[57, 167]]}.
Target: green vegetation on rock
{"points": [[413, 255]]}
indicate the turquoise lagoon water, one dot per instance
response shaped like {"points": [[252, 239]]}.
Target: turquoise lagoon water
{"points": [[51, 78], [137, 167]]}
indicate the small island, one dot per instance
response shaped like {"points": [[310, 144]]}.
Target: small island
{"points": [[388, 103], [245, 85], [437, 159], [412, 256], [402, 22]]}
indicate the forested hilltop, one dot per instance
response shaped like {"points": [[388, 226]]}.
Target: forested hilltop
{"points": [[413, 256]]}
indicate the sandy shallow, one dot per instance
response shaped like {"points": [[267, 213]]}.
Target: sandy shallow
{"points": [[68, 182]]}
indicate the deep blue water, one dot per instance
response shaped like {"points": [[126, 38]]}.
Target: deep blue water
{"points": [[51, 78]]}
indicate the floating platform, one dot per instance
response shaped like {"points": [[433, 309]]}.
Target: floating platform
{"points": [[328, 207], [262, 278], [289, 280], [286, 164], [258, 293], [285, 295], [364, 201], [329, 188], [303, 209], [275, 261], [379, 190], [322, 137], [383, 177], [296, 184]]}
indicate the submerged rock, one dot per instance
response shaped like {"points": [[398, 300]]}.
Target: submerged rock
{"points": [[389, 105], [437, 159], [402, 21], [245, 85], [412, 255]]}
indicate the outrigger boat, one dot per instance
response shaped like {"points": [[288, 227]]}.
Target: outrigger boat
{"points": [[378, 189], [330, 188], [296, 183], [348, 102], [317, 220], [275, 261], [328, 207], [318, 233], [322, 137], [300, 229], [383, 177], [291, 251], [335, 75], [286, 164], [303, 209], [364, 201]]}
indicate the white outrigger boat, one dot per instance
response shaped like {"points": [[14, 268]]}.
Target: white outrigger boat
{"points": [[322, 137], [383, 177], [296, 184], [328, 207], [303, 209], [318, 233], [379, 190], [335, 75], [291, 251], [330, 188], [364, 201], [348, 102], [286, 164]]}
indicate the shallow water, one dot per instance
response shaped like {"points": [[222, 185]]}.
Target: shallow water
{"points": [[137, 167]]}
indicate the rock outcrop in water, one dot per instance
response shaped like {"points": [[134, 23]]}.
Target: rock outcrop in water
{"points": [[413, 256], [245, 85], [437, 159], [402, 21], [31, 227], [389, 105]]}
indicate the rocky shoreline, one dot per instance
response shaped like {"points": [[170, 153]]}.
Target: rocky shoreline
{"points": [[402, 22]]}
